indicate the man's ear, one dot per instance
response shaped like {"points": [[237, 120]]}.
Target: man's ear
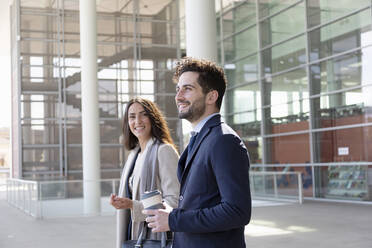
{"points": [[212, 97]]}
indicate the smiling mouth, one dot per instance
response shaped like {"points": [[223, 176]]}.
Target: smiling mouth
{"points": [[182, 106]]}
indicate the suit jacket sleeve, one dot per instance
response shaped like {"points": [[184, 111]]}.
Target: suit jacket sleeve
{"points": [[229, 160], [169, 185]]}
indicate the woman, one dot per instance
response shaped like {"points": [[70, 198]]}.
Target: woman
{"points": [[151, 164]]}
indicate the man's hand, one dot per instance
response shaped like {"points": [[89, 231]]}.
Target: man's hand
{"points": [[158, 219], [120, 202]]}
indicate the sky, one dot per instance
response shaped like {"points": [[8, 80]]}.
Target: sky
{"points": [[5, 82]]}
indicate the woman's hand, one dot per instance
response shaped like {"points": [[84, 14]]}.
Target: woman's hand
{"points": [[120, 202]]}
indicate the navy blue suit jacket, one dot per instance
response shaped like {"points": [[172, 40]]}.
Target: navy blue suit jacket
{"points": [[215, 200]]}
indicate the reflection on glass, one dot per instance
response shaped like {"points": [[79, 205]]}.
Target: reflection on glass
{"points": [[283, 26], [288, 149], [241, 44], [343, 182], [345, 108], [286, 87], [284, 56], [269, 7], [244, 98], [351, 32], [342, 72], [254, 147], [290, 117], [344, 145], [242, 71], [324, 11], [246, 124]]}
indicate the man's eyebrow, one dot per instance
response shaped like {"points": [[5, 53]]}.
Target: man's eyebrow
{"points": [[186, 85]]}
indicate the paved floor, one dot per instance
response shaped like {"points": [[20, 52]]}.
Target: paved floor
{"points": [[312, 224]]}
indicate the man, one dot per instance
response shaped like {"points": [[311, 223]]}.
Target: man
{"points": [[215, 200]]}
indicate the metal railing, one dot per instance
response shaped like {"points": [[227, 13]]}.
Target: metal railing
{"points": [[49, 199], [277, 185]]}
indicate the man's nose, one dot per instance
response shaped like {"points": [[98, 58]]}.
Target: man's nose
{"points": [[179, 95]]}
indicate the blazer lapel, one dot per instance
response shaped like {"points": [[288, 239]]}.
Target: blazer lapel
{"points": [[185, 161]]}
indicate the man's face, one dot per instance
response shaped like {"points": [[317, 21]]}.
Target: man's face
{"points": [[190, 98]]}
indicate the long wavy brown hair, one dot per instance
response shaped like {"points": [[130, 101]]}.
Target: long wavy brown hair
{"points": [[159, 127]]}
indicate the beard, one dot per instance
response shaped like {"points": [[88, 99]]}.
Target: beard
{"points": [[195, 110]]}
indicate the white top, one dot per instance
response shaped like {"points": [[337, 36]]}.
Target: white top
{"points": [[138, 165]]}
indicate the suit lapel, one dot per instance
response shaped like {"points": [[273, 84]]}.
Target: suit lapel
{"points": [[185, 161]]}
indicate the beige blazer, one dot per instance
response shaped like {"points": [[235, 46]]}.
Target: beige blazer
{"points": [[166, 182]]}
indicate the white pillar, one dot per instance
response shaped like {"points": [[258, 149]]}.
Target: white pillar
{"points": [[200, 17], [89, 103]]}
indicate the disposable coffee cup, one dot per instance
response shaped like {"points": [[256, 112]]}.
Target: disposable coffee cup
{"points": [[152, 200]]}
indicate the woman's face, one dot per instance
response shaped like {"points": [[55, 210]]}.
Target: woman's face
{"points": [[139, 122]]}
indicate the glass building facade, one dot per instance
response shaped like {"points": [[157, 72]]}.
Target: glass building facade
{"points": [[300, 89], [137, 45], [299, 92]]}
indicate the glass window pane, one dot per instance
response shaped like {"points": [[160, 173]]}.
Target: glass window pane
{"points": [[244, 14], [284, 56], [45, 132], [246, 124], [343, 182], [286, 87], [243, 71], [345, 108], [283, 26], [254, 146], [342, 72], [344, 145], [343, 35], [241, 44], [324, 11], [290, 117], [269, 7], [40, 159], [288, 149], [244, 98]]}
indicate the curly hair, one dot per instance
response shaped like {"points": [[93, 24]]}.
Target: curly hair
{"points": [[211, 76], [159, 127]]}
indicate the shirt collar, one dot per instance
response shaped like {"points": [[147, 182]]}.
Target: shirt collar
{"points": [[201, 124]]}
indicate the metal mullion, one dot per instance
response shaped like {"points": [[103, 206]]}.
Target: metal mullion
{"points": [[39, 39], [27, 92], [305, 131], [339, 91], [26, 11], [40, 146], [63, 89], [337, 19], [340, 54], [241, 112], [60, 130], [241, 85], [280, 11], [241, 58], [283, 41], [19, 72], [237, 32], [260, 82], [314, 164], [310, 97], [284, 71], [231, 8], [318, 130]]}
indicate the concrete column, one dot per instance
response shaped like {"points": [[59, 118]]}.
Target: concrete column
{"points": [[200, 17], [89, 103]]}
